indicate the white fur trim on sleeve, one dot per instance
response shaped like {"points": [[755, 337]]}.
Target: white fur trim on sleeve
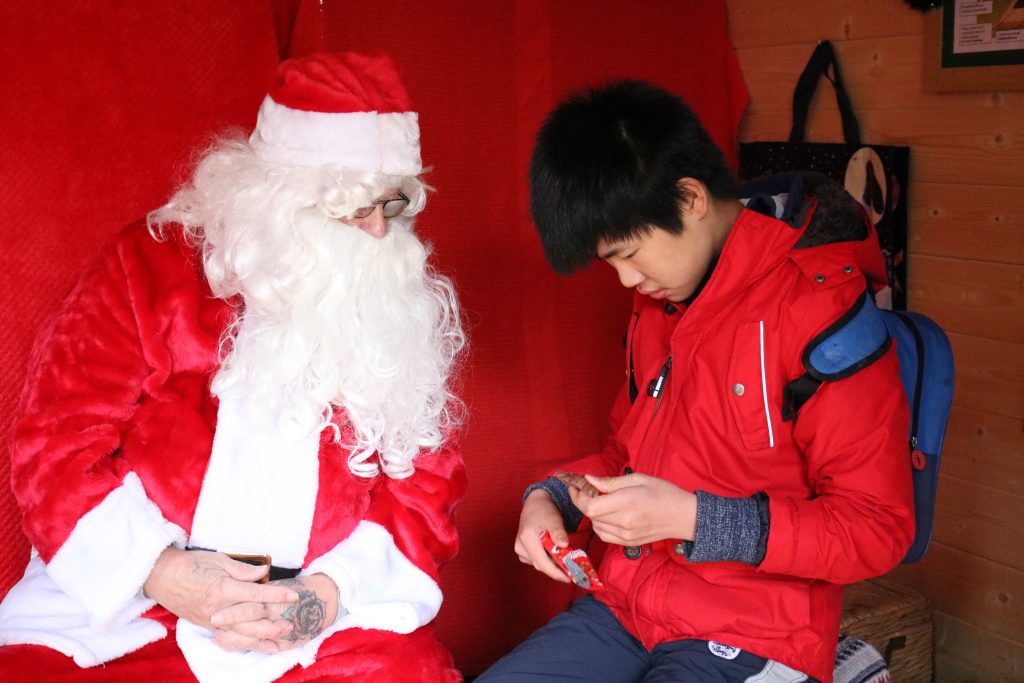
{"points": [[378, 585], [110, 552], [37, 612]]}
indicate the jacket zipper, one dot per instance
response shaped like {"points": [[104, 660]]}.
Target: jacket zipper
{"points": [[657, 389]]}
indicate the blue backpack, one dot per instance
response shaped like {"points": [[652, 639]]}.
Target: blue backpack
{"points": [[926, 369]]}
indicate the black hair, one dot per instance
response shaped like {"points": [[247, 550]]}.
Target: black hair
{"points": [[606, 164]]}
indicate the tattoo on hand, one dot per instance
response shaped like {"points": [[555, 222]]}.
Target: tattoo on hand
{"points": [[204, 568], [307, 615]]}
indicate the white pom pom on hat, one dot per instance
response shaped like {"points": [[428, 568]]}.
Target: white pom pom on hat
{"points": [[346, 109]]}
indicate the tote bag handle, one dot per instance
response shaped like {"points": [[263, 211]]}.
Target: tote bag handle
{"points": [[817, 66]]}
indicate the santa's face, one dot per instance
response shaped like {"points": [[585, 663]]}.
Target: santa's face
{"points": [[373, 219], [340, 311]]}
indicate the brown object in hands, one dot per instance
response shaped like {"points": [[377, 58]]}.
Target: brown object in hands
{"points": [[578, 482], [257, 560]]}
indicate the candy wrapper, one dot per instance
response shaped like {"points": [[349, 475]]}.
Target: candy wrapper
{"points": [[574, 563]]}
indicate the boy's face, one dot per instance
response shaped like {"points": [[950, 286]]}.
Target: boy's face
{"points": [[660, 264]]}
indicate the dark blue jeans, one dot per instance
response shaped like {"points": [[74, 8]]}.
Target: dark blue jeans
{"points": [[588, 644]]}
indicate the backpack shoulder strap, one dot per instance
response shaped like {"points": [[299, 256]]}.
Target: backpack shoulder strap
{"points": [[860, 337], [855, 341]]}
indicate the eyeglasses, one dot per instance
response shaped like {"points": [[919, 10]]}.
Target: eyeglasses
{"points": [[389, 207]]}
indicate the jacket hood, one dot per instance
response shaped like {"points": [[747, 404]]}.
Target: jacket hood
{"points": [[837, 218]]}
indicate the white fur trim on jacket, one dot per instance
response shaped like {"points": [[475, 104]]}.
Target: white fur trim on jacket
{"points": [[111, 551], [378, 585], [363, 141], [210, 664], [87, 601], [63, 624], [260, 488]]}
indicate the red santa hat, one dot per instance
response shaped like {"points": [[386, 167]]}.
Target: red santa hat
{"points": [[346, 109]]}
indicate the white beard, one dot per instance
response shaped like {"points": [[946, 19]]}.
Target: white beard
{"points": [[332, 318]]}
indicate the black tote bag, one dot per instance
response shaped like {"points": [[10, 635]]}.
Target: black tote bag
{"points": [[876, 175]]}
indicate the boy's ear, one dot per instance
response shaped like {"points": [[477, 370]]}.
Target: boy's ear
{"points": [[696, 199]]}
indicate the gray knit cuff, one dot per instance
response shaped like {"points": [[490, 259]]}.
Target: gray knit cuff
{"points": [[559, 492], [729, 529]]}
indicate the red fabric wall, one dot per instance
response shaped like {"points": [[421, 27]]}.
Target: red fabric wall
{"points": [[102, 106], [96, 130]]}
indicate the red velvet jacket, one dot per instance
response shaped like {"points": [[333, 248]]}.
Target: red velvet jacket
{"points": [[838, 477], [120, 384]]}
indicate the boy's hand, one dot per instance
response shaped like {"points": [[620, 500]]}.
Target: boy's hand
{"points": [[539, 514], [636, 509]]}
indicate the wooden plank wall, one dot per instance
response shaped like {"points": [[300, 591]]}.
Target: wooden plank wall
{"points": [[965, 269]]}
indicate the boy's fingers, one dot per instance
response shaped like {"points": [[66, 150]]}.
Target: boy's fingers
{"points": [[581, 501], [606, 484], [546, 564], [609, 484], [553, 570]]}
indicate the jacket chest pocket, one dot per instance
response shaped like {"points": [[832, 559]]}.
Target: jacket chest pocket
{"points": [[748, 388]]}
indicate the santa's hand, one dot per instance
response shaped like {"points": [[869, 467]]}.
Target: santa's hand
{"points": [[261, 636], [196, 584], [271, 627], [539, 514], [636, 509]]}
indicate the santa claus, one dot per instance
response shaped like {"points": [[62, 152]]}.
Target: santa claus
{"points": [[254, 384]]}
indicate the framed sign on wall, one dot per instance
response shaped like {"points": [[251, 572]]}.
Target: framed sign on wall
{"points": [[975, 45]]}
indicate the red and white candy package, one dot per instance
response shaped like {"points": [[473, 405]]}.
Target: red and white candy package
{"points": [[574, 563]]}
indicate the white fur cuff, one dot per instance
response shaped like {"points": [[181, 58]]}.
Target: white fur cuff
{"points": [[110, 553], [378, 585]]}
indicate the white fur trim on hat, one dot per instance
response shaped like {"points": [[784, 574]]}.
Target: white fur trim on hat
{"points": [[362, 141]]}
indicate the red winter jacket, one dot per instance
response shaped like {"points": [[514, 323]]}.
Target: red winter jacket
{"points": [[837, 477]]}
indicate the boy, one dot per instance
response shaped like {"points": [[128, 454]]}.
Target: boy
{"points": [[731, 524]]}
